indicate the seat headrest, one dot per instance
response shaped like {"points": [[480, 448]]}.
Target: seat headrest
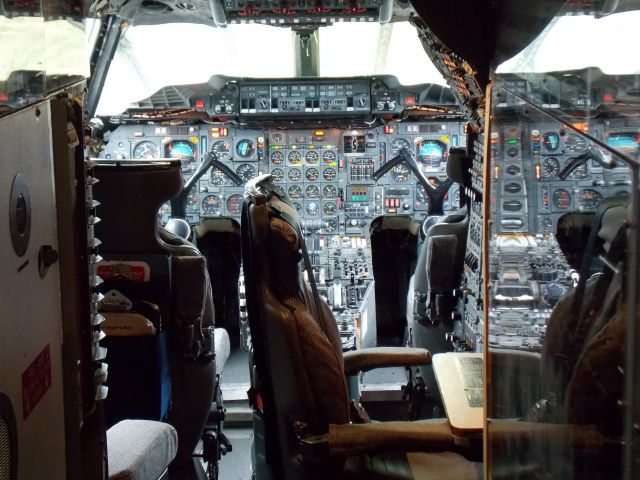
{"points": [[459, 167], [612, 221], [130, 195], [179, 227]]}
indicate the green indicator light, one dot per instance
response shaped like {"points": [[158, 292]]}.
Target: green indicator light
{"points": [[512, 142]]}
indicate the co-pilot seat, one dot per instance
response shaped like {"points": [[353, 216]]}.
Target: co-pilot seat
{"points": [[438, 272], [158, 306], [305, 425]]}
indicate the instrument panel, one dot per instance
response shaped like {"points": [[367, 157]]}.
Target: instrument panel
{"points": [[326, 173]]}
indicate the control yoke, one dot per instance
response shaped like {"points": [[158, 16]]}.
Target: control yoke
{"points": [[605, 159], [436, 193], [179, 202]]}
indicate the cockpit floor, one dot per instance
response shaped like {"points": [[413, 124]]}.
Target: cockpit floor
{"points": [[236, 465]]}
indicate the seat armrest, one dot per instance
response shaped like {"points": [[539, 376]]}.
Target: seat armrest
{"points": [[379, 357], [554, 436], [370, 438]]}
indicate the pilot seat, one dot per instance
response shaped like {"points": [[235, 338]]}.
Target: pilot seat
{"points": [[305, 425]]}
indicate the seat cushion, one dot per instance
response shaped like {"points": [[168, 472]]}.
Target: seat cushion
{"points": [[140, 449], [413, 466]]}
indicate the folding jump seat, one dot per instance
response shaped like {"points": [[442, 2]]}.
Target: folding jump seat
{"points": [[163, 352]]}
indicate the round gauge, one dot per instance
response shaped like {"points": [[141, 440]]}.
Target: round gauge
{"points": [[329, 156], [279, 190], [561, 199], [551, 141], [278, 174], [245, 148], [550, 167], [180, 149], [312, 174], [589, 199], [295, 191], [398, 144], [295, 157], [330, 225], [146, 151], [329, 191], [294, 174], [547, 223], [329, 174], [222, 150], [430, 153], [298, 207], [312, 191], [219, 178], [421, 197], [312, 209], [234, 204], [580, 172], [184, 150], [574, 143], [312, 157], [211, 205], [400, 173], [329, 208], [277, 157], [246, 171]]}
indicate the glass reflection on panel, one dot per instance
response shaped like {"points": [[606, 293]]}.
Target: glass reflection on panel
{"points": [[557, 310]]}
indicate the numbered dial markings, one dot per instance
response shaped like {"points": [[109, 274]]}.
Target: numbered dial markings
{"points": [[294, 174], [329, 191], [295, 191], [277, 157], [312, 174], [329, 174], [211, 205], [295, 158], [278, 174], [312, 157], [222, 150], [329, 156], [312, 191], [246, 171]]}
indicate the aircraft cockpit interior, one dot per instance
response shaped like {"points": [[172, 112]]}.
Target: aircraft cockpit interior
{"points": [[302, 239]]}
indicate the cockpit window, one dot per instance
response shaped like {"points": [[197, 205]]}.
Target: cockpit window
{"points": [[392, 49], [150, 57], [565, 45]]}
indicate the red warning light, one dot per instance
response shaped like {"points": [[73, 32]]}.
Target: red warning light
{"points": [[199, 104], [607, 97], [410, 100], [388, 129]]}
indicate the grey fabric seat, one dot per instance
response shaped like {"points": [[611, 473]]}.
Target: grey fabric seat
{"points": [[305, 426], [140, 449]]}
